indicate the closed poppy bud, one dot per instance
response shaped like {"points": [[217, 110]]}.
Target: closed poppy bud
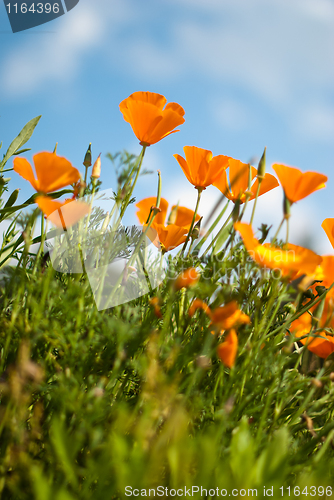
{"points": [[261, 169], [196, 229], [187, 279], [88, 156], [96, 170]]}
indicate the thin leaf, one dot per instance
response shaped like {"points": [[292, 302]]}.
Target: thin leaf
{"points": [[20, 140]]}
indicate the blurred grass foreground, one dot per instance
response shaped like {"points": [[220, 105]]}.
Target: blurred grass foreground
{"points": [[175, 357]]}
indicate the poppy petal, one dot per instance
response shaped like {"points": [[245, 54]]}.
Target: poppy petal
{"points": [[144, 207], [24, 169], [54, 172], [268, 183], [184, 216]]}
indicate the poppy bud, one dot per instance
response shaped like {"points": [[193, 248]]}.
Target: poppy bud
{"points": [[196, 229], [88, 156], [96, 171], [261, 169]]}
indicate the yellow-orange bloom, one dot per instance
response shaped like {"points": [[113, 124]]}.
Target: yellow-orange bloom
{"points": [[290, 261], [200, 167], [149, 118], [62, 214], [53, 172], [171, 235], [237, 186], [227, 350], [297, 184], [228, 316], [186, 279]]}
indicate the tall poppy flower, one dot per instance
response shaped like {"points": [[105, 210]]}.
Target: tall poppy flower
{"points": [[236, 188], [291, 261], [200, 167], [149, 118], [227, 350], [167, 236], [297, 184], [52, 173]]}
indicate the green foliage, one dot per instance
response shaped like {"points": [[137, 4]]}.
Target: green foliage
{"points": [[93, 402]]}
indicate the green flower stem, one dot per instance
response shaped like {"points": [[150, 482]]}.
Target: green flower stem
{"points": [[212, 227], [41, 246], [278, 230], [287, 230], [137, 167], [199, 192], [255, 200], [218, 234]]}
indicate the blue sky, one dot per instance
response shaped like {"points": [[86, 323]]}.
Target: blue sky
{"points": [[249, 74]]}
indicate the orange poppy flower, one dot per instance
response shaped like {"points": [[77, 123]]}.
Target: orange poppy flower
{"points": [[186, 279], [302, 326], [297, 184], [199, 304], [228, 316], [182, 216], [239, 175], [53, 172], [149, 120], [167, 236], [290, 261], [227, 350], [62, 214], [200, 167]]}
